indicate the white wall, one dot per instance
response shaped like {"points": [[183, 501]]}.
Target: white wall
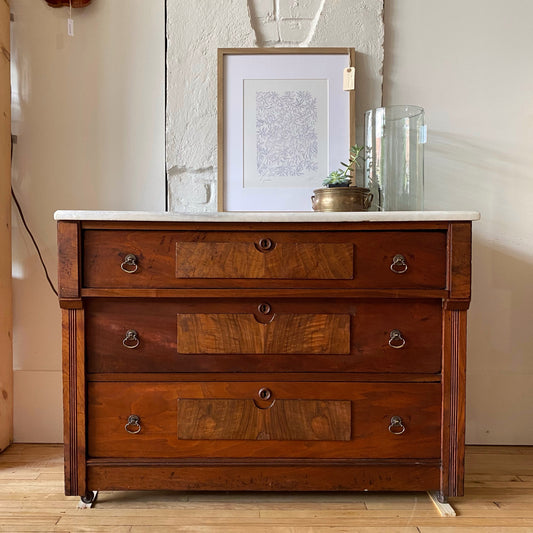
{"points": [[89, 114], [196, 29], [470, 65]]}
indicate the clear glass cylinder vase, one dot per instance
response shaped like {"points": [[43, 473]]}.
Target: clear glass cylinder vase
{"points": [[394, 157]]}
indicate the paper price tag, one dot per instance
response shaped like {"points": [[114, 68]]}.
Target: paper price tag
{"points": [[348, 79], [70, 27]]}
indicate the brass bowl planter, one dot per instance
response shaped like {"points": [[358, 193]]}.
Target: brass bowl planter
{"points": [[341, 199]]}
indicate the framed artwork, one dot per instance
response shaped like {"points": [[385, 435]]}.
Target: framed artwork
{"points": [[284, 122]]}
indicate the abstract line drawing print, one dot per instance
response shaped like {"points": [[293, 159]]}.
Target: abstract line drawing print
{"points": [[285, 132], [287, 139]]}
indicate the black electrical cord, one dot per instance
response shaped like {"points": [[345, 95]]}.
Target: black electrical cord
{"points": [[19, 209], [21, 214]]}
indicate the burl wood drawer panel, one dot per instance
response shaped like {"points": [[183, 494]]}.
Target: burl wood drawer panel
{"points": [[165, 259], [296, 420], [223, 419], [275, 333], [227, 335]]}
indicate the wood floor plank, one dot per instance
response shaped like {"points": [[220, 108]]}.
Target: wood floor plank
{"points": [[484, 529], [498, 498], [273, 529]]}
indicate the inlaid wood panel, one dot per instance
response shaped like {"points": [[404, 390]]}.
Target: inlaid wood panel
{"points": [[248, 260], [372, 407], [279, 420], [227, 333]]}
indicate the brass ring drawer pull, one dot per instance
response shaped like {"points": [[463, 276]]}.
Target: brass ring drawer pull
{"points": [[399, 264], [129, 261], [396, 340], [131, 340], [133, 421], [396, 426]]}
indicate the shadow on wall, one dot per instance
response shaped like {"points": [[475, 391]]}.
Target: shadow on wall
{"points": [[466, 173], [481, 155], [500, 366]]}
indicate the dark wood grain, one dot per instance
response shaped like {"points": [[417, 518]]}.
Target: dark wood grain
{"points": [[167, 259], [284, 333], [348, 477], [286, 376], [215, 419], [294, 292], [69, 259], [454, 402], [418, 321], [460, 262], [424, 252], [289, 260], [231, 259], [373, 405], [74, 400], [352, 337], [217, 225], [321, 349]]}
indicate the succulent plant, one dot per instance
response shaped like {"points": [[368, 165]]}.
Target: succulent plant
{"points": [[344, 177]]}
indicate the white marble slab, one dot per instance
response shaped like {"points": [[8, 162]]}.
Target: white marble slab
{"points": [[247, 216]]}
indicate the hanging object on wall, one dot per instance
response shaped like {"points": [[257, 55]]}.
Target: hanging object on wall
{"points": [[68, 3]]}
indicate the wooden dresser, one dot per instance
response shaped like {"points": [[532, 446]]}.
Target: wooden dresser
{"points": [[253, 351]]}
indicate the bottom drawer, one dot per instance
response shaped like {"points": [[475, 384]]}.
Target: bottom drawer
{"points": [[264, 420]]}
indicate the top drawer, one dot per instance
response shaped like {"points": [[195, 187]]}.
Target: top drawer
{"points": [[172, 259]]}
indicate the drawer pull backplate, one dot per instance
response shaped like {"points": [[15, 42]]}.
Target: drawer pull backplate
{"points": [[133, 421], [131, 340], [396, 340], [399, 264], [129, 265], [396, 426]]}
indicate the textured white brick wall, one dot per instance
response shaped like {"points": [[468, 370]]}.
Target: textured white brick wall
{"points": [[195, 29], [284, 22]]}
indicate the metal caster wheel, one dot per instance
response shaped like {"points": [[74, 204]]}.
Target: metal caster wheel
{"points": [[87, 501]]}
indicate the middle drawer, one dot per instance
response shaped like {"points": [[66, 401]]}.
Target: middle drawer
{"points": [[248, 335]]}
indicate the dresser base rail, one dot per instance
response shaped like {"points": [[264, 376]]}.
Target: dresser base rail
{"points": [[404, 477]]}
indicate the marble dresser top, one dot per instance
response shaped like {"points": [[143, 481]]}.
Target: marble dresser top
{"points": [[263, 216]]}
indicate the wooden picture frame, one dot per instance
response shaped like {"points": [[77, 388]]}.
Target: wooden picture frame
{"points": [[295, 80]]}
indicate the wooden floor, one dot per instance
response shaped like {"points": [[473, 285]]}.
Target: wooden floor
{"points": [[499, 497]]}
